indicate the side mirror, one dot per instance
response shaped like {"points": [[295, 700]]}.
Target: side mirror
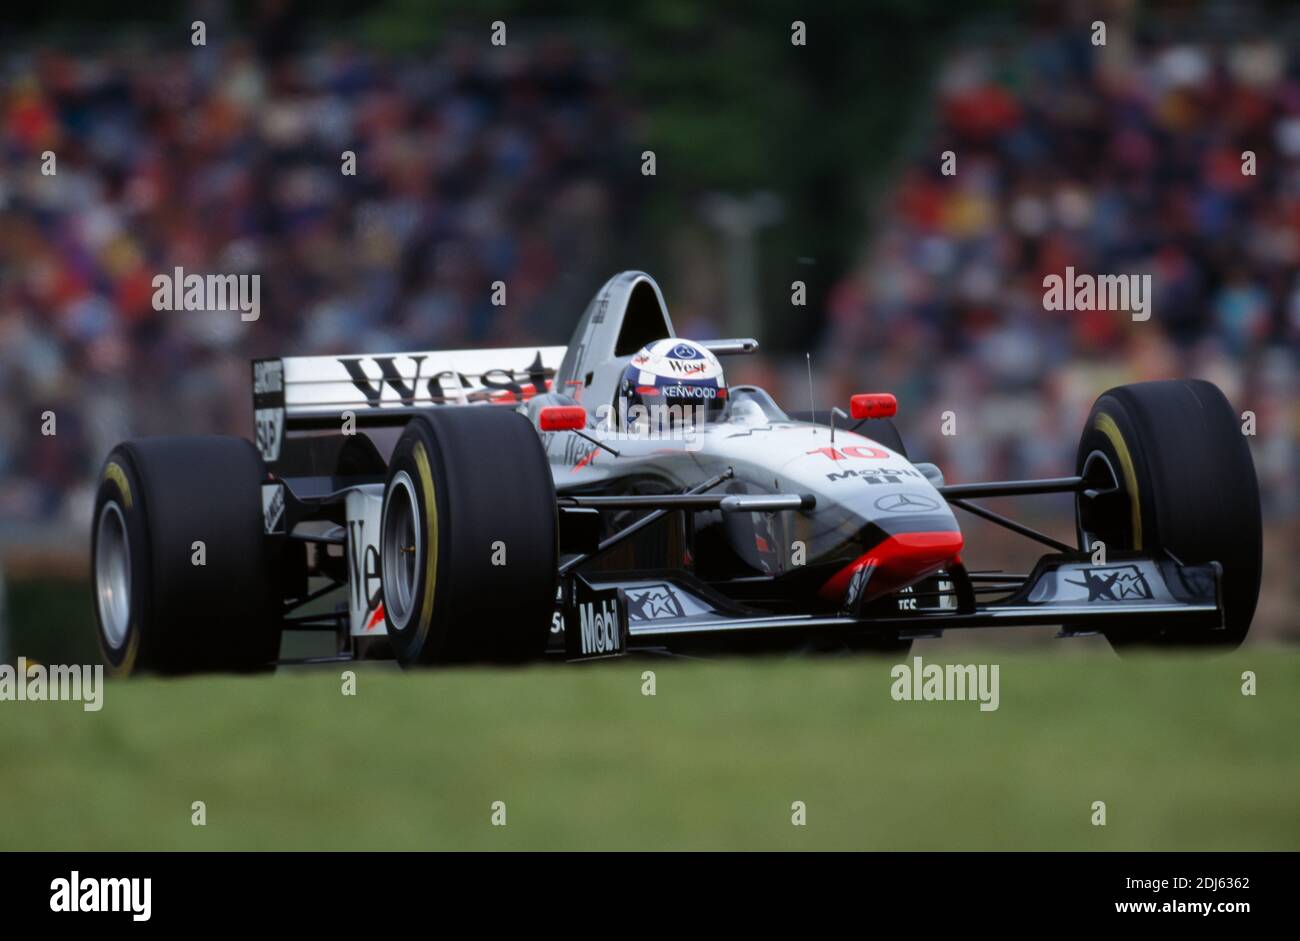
{"points": [[562, 418], [873, 405]]}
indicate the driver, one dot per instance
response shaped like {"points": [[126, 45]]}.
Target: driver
{"points": [[671, 384]]}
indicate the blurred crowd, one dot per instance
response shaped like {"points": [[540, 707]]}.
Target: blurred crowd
{"points": [[521, 167], [469, 169], [1115, 159]]}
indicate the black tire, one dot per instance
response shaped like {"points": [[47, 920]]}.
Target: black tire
{"points": [[882, 430], [476, 477], [1187, 488], [156, 498]]}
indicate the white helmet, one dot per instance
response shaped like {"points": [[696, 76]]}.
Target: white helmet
{"points": [[673, 372]]}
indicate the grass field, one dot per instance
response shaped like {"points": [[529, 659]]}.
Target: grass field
{"points": [[714, 760]]}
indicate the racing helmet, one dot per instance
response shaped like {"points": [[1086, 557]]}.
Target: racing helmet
{"points": [[668, 373]]}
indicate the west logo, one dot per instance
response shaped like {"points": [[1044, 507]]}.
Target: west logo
{"points": [[445, 386], [363, 567], [102, 895]]}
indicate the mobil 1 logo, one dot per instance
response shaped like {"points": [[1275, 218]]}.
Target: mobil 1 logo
{"points": [[595, 622]]}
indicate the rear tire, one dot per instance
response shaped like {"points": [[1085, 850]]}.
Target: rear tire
{"points": [[155, 608], [468, 541], [1186, 488]]}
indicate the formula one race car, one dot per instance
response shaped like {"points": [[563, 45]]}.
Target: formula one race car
{"points": [[617, 495]]}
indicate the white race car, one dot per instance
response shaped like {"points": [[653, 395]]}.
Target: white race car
{"points": [[616, 494]]}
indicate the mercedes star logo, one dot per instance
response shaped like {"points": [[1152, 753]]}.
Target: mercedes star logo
{"points": [[906, 503]]}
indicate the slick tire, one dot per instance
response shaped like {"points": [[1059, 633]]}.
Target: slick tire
{"points": [[1186, 488], [468, 539], [163, 602]]}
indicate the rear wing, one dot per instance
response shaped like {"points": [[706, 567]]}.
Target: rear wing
{"points": [[314, 392]]}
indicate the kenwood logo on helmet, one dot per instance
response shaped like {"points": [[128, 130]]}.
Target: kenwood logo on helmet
{"points": [[688, 392]]}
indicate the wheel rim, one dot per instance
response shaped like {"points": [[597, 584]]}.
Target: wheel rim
{"points": [[1104, 516], [113, 574], [401, 552]]}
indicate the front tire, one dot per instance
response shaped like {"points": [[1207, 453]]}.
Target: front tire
{"points": [[468, 539], [1184, 487]]}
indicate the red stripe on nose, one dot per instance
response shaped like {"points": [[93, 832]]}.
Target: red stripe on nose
{"points": [[899, 561]]}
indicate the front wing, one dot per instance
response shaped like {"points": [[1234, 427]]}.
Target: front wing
{"points": [[1069, 591]]}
